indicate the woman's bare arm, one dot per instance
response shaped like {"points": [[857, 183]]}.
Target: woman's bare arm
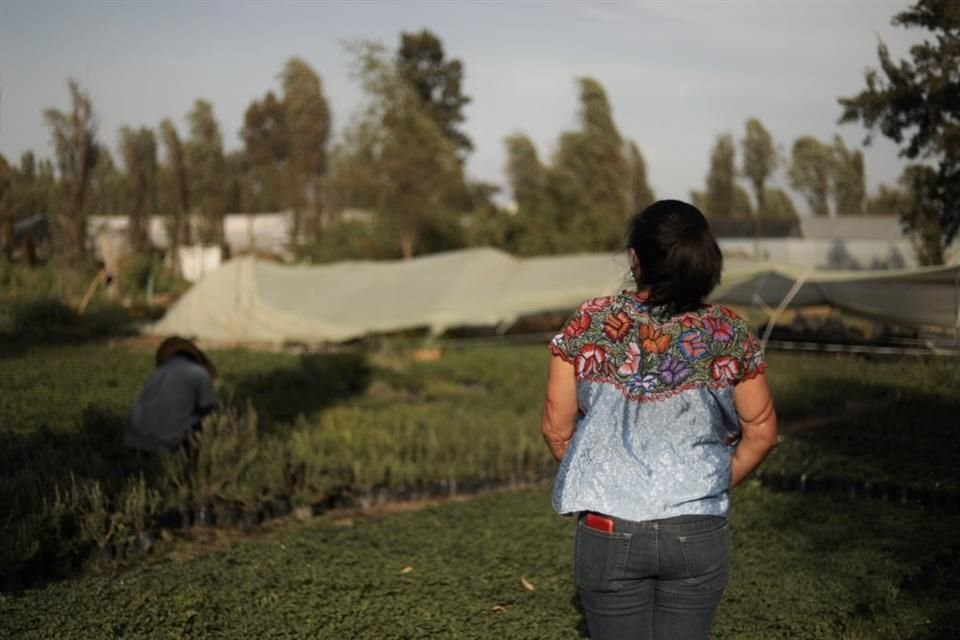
{"points": [[559, 406], [758, 421]]}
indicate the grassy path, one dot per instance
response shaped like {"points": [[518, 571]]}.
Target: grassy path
{"points": [[805, 567]]}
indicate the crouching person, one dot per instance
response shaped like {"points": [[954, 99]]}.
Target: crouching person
{"points": [[174, 399]]}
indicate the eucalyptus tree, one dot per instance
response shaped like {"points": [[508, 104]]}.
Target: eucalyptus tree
{"points": [[74, 137], [760, 160], [306, 117], [916, 103], [809, 173], [138, 147], [175, 188], [206, 171]]}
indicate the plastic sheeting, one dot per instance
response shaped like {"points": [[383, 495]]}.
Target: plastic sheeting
{"points": [[256, 301]]}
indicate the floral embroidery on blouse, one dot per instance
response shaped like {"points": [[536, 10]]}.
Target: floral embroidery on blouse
{"points": [[648, 354]]}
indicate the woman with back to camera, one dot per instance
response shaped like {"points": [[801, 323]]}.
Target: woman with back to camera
{"points": [[657, 405]]}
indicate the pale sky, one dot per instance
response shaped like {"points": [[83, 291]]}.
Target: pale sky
{"points": [[677, 73]]}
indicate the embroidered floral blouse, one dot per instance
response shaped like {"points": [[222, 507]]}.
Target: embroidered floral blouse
{"points": [[657, 426]]}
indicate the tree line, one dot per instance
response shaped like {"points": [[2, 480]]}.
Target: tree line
{"points": [[393, 184]]}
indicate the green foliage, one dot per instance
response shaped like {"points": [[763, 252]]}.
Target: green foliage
{"points": [[720, 197], [593, 157], [760, 160], [641, 194], [206, 171], [397, 150], [351, 240], [139, 150], [139, 270], [265, 175], [847, 183], [581, 201], [306, 116], [916, 104], [920, 213], [887, 200], [173, 189], [39, 316], [109, 188], [437, 82], [74, 139], [777, 204], [809, 173], [470, 417], [454, 571]]}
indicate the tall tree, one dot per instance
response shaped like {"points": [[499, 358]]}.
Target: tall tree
{"points": [[139, 150], [525, 173], [267, 152], [889, 201], [176, 188], [594, 157], [206, 169], [916, 103], [641, 195], [74, 135], [416, 165], [847, 180], [759, 160], [742, 207], [352, 180], [921, 213], [108, 188], [307, 118], [720, 196], [779, 205], [540, 220], [437, 82], [810, 167]]}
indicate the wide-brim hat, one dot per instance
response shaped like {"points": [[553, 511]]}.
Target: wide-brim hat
{"points": [[175, 345]]}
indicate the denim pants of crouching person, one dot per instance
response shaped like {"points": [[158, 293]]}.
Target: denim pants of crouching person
{"points": [[660, 579]]}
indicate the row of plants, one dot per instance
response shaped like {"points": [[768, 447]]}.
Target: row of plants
{"points": [[413, 432], [345, 429], [805, 567]]}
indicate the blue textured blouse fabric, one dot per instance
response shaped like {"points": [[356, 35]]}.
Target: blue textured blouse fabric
{"points": [[657, 426]]}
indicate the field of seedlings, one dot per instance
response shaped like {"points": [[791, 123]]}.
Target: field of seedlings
{"points": [[849, 532]]}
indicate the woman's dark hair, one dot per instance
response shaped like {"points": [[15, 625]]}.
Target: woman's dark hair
{"points": [[679, 258]]}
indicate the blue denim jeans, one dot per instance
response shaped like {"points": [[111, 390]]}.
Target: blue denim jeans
{"points": [[660, 579]]}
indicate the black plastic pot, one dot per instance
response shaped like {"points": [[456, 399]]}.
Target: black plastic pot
{"points": [[252, 517], [170, 519], [791, 482], [853, 489], [951, 502], [12, 581], [281, 507], [206, 516], [231, 514], [344, 501]]}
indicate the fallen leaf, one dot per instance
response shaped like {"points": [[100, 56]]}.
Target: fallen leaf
{"points": [[526, 583], [406, 570], [498, 608]]}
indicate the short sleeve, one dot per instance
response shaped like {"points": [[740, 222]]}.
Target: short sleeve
{"points": [[566, 344], [752, 360]]}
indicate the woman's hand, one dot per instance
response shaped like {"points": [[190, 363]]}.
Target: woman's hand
{"points": [[559, 406], [758, 422]]}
